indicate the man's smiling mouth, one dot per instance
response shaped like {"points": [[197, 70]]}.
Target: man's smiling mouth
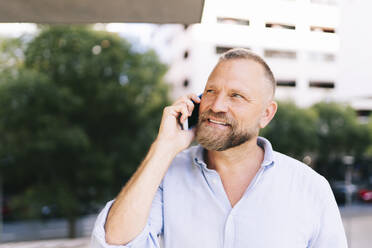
{"points": [[218, 122]]}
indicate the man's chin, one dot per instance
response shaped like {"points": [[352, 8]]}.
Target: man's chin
{"points": [[220, 142], [212, 143], [213, 148]]}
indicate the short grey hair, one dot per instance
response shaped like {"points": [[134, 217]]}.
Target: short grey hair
{"points": [[243, 53]]}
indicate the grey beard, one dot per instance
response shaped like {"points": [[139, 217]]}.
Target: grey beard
{"points": [[210, 140]]}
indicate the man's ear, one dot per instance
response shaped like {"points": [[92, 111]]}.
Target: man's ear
{"points": [[268, 113]]}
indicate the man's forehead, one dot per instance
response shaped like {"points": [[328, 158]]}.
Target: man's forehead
{"points": [[236, 72]]}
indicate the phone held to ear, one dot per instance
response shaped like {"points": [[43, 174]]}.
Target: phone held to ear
{"points": [[193, 119]]}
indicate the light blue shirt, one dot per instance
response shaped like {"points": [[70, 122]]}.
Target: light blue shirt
{"points": [[287, 205]]}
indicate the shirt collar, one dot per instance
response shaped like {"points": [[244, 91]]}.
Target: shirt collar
{"points": [[198, 158], [268, 151]]}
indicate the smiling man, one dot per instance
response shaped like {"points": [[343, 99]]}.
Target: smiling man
{"points": [[232, 190]]}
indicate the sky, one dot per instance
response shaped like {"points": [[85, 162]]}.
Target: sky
{"points": [[137, 33], [16, 29], [140, 35]]}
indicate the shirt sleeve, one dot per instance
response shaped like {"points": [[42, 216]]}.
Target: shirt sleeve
{"points": [[331, 231], [148, 238]]}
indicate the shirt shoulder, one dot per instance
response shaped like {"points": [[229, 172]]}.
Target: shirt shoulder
{"points": [[303, 176], [184, 158], [182, 164], [286, 162]]}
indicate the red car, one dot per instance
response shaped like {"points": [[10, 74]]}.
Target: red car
{"points": [[365, 194]]}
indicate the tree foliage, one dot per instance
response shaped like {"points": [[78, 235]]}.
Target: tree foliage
{"points": [[339, 131], [369, 128], [11, 54], [339, 134], [77, 119], [326, 132], [293, 130]]}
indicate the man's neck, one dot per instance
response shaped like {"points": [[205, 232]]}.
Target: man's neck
{"points": [[247, 156]]}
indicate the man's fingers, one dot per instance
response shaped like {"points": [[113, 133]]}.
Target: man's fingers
{"points": [[178, 111], [189, 100], [183, 107], [190, 105], [184, 112], [195, 98], [190, 97]]}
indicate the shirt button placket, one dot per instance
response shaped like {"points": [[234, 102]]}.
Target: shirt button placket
{"points": [[229, 232]]}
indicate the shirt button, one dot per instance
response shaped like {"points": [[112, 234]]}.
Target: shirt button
{"points": [[215, 181]]}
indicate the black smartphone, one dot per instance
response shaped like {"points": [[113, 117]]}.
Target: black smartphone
{"points": [[193, 119]]}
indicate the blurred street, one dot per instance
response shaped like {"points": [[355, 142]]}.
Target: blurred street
{"points": [[357, 221], [45, 230], [57, 243]]}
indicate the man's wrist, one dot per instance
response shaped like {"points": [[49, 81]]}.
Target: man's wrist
{"points": [[165, 148]]}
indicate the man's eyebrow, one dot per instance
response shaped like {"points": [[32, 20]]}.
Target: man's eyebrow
{"points": [[241, 91]]}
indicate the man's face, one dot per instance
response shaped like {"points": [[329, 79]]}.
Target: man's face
{"points": [[232, 104]]}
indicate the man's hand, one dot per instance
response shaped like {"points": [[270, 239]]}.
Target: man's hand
{"points": [[170, 131], [129, 213]]}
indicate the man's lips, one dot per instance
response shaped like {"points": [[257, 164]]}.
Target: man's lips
{"points": [[217, 122]]}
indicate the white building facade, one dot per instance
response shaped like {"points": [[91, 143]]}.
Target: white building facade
{"points": [[355, 56], [298, 39]]}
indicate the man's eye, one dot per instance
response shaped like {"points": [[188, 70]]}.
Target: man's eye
{"points": [[209, 91], [236, 95]]}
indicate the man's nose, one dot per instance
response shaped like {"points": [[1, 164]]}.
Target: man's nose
{"points": [[219, 104]]}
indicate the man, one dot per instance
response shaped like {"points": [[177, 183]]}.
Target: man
{"points": [[232, 190]]}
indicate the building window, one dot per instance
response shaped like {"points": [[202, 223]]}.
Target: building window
{"points": [[322, 29], [322, 84], [286, 83], [322, 57], [364, 112], [280, 25], [230, 20], [282, 54], [220, 49], [186, 54], [186, 83], [327, 2], [223, 49]]}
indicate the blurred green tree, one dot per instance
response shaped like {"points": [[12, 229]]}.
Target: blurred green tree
{"points": [[326, 133], [339, 134], [369, 127], [77, 119], [293, 131], [11, 54]]}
